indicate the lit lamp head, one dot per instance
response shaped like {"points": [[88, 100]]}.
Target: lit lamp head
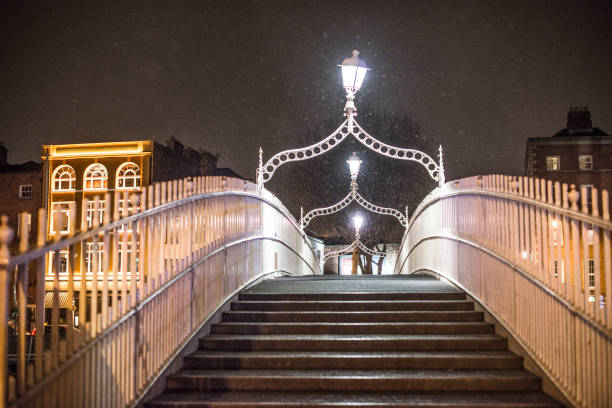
{"points": [[353, 72], [354, 163], [357, 221]]}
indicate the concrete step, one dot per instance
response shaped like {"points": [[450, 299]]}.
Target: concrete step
{"points": [[253, 296], [411, 316], [354, 328], [353, 343], [292, 360], [271, 399], [345, 305], [354, 380]]}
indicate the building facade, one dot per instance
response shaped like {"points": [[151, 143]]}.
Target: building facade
{"points": [[82, 181], [21, 187], [579, 154]]}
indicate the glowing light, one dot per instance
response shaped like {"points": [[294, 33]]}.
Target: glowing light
{"points": [[354, 164], [554, 223], [524, 254], [357, 221], [354, 71], [96, 149]]}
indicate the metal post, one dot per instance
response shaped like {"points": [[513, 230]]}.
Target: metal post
{"points": [[6, 236], [260, 171], [441, 177], [301, 219]]}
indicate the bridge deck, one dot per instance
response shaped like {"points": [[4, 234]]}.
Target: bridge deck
{"points": [[357, 283]]}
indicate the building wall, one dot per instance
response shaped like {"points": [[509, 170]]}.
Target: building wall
{"points": [[174, 161], [568, 151], [579, 137], [107, 154], [11, 205]]}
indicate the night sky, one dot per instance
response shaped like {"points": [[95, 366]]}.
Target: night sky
{"points": [[228, 76]]}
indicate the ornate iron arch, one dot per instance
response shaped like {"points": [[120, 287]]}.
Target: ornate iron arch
{"points": [[355, 244], [353, 195], [350, 127]]}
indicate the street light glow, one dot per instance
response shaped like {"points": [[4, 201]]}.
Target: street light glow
{"points": [[354, 164], [353, 73], [358, 221]]}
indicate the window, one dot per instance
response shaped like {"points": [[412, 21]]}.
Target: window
{"points": [[128, 176], [591, 273], [553, 163], [63, 262], [61, 217], [126, 255], [63, 179], [94, 212], [25, 191], [585, 161], [93, 254], [96, 177]]}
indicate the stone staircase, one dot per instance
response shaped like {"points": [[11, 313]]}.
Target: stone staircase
{"points": [[328, 342]]}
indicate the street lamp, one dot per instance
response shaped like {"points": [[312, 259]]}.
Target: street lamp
{"points": [[354, 164], [354, 71], [358, 222]]}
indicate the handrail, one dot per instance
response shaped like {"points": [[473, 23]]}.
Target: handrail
{"points": [[157, 274], [539, 258]]}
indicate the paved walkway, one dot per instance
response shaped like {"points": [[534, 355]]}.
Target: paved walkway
{"points": [[357, 283]]}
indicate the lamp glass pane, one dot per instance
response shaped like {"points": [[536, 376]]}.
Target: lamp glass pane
{"points": [[354, 166], [358, 221], [349, 73], [361, 72]]}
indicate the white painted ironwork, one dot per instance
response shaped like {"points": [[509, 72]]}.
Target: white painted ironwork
{"points": [[355, 244], [398, 152], [304, 153], [435, 171], [353, 195], [161, 262], [538, 256], [350, 127]]}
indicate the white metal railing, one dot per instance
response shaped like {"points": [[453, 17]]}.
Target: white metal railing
{"points": [[538, 257], [180, 251]]}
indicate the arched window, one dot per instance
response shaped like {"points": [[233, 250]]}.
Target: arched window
{"points": [[64, 178], [96, 177], [128, 176]]}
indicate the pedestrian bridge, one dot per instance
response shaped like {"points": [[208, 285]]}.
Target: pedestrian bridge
{"points": [[126, 299]]}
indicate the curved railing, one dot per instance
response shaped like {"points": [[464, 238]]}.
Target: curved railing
{"points": [[538, 258], [170, 256]]}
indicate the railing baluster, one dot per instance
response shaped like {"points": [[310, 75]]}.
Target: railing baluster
{"points": [[22, 295], [40, 296]]}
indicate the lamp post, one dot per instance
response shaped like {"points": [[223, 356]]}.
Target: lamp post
{"points": [[358, 222], [354, 71], [354, 164]]}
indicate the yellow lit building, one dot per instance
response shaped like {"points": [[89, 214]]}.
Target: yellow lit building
{"points": [[85, 182], [76, 174]]}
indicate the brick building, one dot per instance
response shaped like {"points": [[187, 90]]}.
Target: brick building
{"points": [[174, 161], [579, 154], [21, 187]]}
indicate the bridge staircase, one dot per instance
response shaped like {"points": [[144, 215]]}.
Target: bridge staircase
{"points": [[353, 341]]}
